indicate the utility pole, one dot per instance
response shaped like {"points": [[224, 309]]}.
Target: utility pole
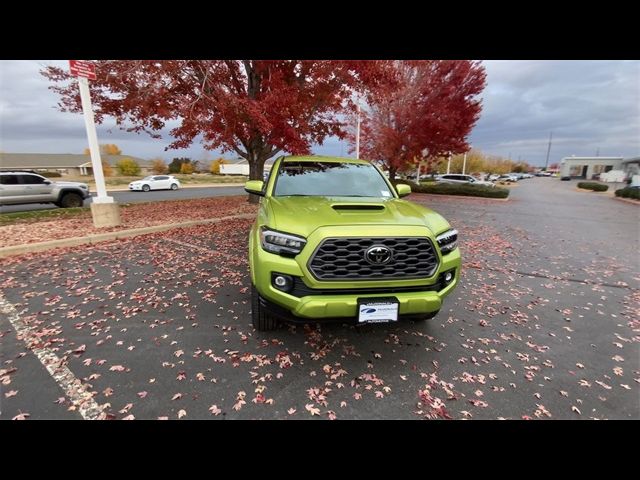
{"points": [[358, 132], [464, 163], [449, 164], [546, 164]]}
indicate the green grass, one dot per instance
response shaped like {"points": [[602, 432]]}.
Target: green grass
{"points": [[18, 217], [117, 181]]}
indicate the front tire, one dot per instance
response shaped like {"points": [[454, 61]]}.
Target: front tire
{"points": [[71, 200], [262, 320], [146, 188]]}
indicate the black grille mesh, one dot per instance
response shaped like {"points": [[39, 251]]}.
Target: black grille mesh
{"points": [[344, 259]]}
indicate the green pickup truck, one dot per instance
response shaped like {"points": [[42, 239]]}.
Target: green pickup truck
{"points": [[333, 240]]}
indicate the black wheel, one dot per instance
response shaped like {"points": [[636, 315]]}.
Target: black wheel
{"points": [[146, 188], [71, 200], [174, 186], [261, 319], [428, 316]]}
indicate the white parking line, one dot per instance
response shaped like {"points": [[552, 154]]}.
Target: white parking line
{"points": [[66, 380]]}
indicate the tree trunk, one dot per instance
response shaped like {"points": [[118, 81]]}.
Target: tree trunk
{"points": [[256, 169], [392, 174]]}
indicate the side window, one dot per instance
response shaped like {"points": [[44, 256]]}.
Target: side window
{"points": [[31, 180], [161, 177], [9, 180]]}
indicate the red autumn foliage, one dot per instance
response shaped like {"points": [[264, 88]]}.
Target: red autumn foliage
{"points": [[255, 108], [431, 114]]}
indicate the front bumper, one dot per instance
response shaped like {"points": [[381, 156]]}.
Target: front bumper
{"points": [[326, 300], [135, 187]]}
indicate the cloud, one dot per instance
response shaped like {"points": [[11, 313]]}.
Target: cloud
{"points": [[589, 106]]}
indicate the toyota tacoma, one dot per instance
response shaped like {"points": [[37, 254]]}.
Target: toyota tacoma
{"points": [[333, 240]]}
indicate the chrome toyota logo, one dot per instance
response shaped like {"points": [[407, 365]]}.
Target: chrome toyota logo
{"points": [[378, 255]]}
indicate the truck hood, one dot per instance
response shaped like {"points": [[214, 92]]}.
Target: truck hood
{"points": [[303, 215]]}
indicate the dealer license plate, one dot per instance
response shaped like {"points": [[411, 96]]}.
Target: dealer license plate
{"points": [[377, 310]]}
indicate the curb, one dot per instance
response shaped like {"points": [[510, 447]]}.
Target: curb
{"points": [[627, 200], [105, 237]]}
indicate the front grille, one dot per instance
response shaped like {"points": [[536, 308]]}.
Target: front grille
{"points": [[301, 290], [344, 259]]}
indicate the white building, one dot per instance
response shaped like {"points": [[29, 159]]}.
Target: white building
{"points": [[240, 166], [588, 167]]}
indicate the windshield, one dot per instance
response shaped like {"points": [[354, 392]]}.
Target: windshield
{"points": [[330, 179], [150, 177]]}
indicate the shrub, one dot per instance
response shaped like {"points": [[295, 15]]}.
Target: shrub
{"points": [[215, 165], [186, 168], [628, 192], [128, 167], [106, 168], [176, 164], [462, 189], [158, 166], [51, 174], [593, 186]]}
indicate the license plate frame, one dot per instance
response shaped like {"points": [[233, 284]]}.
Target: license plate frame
{"points": [[386, 310]]}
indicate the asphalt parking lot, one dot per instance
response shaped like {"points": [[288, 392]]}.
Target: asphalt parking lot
{"points": [[545, 324]]}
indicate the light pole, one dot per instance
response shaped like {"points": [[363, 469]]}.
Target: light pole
{"points": [[449, 164], [105, 212], [464, 163]]}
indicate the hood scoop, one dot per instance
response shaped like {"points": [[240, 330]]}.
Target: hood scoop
{"points": [[357, 207]]}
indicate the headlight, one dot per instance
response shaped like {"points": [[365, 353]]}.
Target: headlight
{"points": [[281, 243], [448, 241]]}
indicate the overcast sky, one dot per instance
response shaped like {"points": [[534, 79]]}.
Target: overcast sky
{"points": [[591, 106]]}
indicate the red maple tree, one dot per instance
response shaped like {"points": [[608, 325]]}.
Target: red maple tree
{"points": [[255, 108], [430, 115]]}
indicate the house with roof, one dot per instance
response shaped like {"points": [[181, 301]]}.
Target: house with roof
{"points": [[67, 164]]}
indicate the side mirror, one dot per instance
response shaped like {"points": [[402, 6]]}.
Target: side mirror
{"points": [[255, 187], [47, 182], [403, 189]]}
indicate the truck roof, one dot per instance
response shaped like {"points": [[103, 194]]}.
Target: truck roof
{"points": [[322, 158]]}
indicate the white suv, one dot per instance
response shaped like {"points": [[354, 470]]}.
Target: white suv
{"points": [[21, 186], [459, 178]]}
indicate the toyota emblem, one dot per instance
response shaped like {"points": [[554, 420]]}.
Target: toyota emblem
{"points": [[378, 255]]}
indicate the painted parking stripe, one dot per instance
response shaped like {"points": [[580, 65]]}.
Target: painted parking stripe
{"points": [[73, 388]]}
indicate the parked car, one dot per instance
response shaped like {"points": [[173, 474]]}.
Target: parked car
{"points": [[459, 178], [21, 187], [155, 182], [507, 177], [565, 178], [333, 240], [493, 177]]}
